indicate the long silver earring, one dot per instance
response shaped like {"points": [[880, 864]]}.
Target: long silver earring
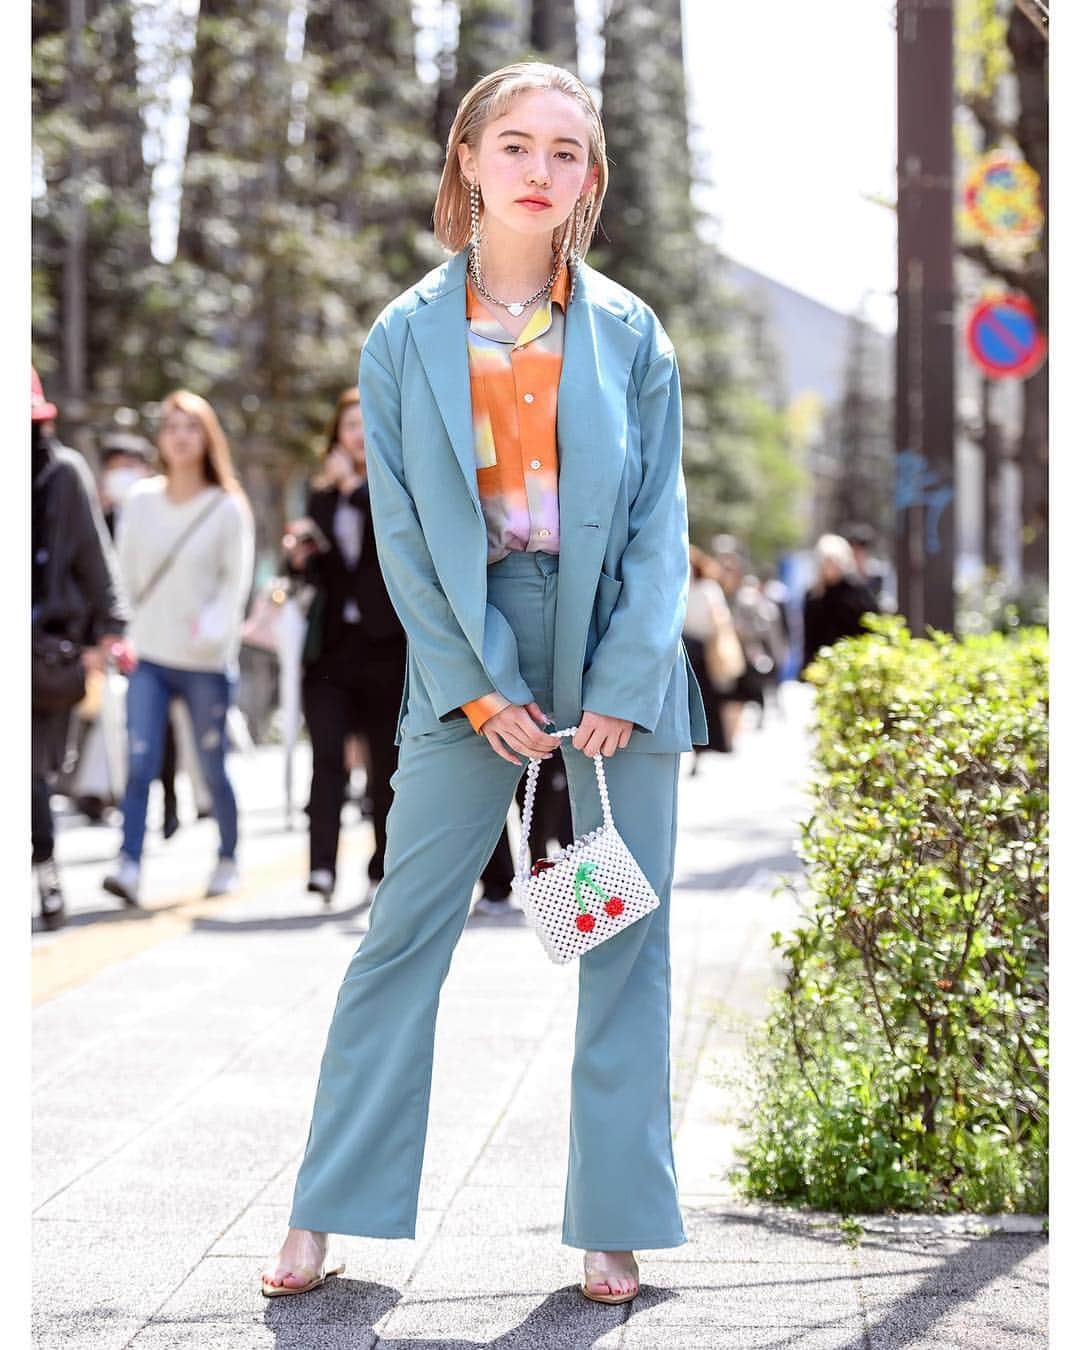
{"points": [[474, 214], [579, 229], [581, 225]]}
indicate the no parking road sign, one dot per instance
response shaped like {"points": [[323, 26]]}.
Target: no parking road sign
{"points": [[1004, 339]]}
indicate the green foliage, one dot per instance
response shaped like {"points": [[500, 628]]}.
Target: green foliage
{"points": [[905, 1064], [91, 207]]}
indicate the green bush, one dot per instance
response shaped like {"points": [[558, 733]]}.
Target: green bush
{"points": [[904, 1064]]}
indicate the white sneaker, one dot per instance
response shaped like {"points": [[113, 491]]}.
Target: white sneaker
{"points": [[224, 878], [321, 882], [123, 880]]}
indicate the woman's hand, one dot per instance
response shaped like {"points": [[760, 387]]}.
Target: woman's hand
{"points": [[516, 727], [597, 734], [341, 470]]}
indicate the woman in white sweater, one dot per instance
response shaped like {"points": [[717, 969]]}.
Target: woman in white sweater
{"points": [[186, 549]]}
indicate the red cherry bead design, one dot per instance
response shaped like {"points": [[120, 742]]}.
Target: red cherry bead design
{"points": [[614, 906], [586, 923], [541, 865]]}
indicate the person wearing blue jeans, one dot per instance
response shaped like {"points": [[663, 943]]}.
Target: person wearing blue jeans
{"points": [[208, 694], [185, 544]]}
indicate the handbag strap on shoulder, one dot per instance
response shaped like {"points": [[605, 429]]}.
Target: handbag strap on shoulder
{"points": [[532, 774], [185, 534]]}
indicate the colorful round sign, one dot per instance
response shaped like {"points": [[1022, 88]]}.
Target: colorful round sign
{"points": [[1003, 337], [1002, 198]]}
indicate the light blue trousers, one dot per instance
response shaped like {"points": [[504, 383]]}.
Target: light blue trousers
{"points": [[361, 1168]]}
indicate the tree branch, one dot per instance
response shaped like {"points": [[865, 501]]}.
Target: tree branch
{"points": [[1018, 278]]}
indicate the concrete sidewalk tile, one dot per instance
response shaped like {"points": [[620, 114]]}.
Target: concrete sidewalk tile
{"points": [[87, 1328], [272, 1334], [482, 1211], [509, 1165], [729, 1232], [528, 1264], [88, 1270], [719, 1334]]}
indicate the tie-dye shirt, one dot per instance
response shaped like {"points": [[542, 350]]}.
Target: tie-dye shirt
{"points": [[515, 388]]}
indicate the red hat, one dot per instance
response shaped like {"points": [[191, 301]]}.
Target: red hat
{"points": [[40, 410]]}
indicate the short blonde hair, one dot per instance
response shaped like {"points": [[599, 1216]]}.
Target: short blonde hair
{"points": [[834, 548], [491, 97]]}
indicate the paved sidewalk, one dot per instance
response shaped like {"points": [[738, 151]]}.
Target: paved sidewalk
{"points": [[175, 1056]]}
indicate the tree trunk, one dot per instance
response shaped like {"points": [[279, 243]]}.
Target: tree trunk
{"points": [[74, 286], [554, 32], [1029, 53]]}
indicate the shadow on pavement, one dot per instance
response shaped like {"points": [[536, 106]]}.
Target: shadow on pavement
{"points": [[286, 923], [908, 1319], [564, 1318]]}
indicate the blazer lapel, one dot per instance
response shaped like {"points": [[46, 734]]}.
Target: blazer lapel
{"points": [[438, 331], [598, 354]]}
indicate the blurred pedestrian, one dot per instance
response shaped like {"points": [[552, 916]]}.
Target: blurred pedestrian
{"points": [[186, 546], [539, 574], [873, 571], [761, 630], [354, 651], [837, 599], [124, 458], [732, 695], [77, 615], [712, 645], [93, 776]]}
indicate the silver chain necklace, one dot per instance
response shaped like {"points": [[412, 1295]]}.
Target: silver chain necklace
{"points": [[514, 307]]}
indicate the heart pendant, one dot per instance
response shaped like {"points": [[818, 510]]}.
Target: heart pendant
{"points": [[515, 310]]}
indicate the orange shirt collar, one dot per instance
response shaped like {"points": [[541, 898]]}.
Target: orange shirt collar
{"points": [[560, 292]]}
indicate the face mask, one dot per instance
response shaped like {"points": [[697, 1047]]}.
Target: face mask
{"points": [[117, 482]]}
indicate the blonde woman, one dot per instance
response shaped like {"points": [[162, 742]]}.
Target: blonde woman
{"points": [[185, 545], [523, 447], [837, 598]]}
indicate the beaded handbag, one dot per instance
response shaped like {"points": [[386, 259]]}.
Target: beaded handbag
{"points": [[586, 893]]}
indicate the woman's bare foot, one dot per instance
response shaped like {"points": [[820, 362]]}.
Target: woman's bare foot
{"points": [[610, 1274], [300, 1260]]}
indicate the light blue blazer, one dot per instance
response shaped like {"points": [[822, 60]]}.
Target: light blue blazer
{"points": [[624, 565]]}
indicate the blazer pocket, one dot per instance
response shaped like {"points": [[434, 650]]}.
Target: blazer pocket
{"points": [[607, 597], [608, 591]]}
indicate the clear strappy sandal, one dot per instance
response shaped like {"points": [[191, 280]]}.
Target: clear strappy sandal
{"points": [[595, 1275], [276, 1290]]}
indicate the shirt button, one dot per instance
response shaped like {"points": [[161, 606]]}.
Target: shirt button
{"points": [[534, 463], [529, 398], [543, 533]]}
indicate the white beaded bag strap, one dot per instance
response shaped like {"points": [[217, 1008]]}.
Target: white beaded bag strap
{"points": [[531, 776]]}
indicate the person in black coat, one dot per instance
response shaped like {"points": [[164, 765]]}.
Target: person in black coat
{"points": [[76, 604], [354, 652], [835, 603]]}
